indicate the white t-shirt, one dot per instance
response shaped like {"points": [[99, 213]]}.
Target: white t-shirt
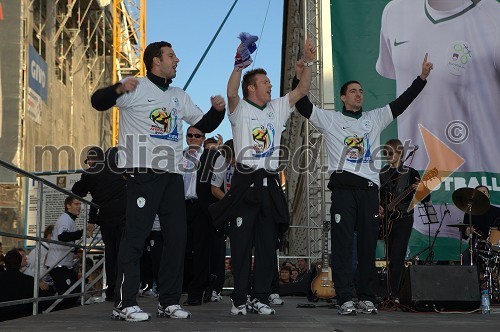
{"points": [[257, 132], [56, 251], [30, 260], [151, 133], [222, 174], [460, 103], [353, 144]]}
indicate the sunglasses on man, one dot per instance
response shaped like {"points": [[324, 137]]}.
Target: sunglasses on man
{"points": [[194, 135]]}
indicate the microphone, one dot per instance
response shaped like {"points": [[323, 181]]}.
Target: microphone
{"points": [[415, 148], [447, 210]]}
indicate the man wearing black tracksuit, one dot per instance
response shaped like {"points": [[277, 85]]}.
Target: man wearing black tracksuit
{"points": [[352, 138]]}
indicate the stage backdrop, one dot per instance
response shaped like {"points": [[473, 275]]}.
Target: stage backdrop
{"points": [[454, 120]]}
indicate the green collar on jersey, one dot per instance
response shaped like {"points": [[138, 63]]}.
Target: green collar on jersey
{"points": [[352, 114], [159, 81], [255, 105], [465, 10]]}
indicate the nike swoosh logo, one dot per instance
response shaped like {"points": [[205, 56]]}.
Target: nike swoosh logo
{"points": [[396, 43], [150, 100]]}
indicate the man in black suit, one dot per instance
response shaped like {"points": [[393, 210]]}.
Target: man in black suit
{"points": [[198, 164], [15, 285], [107, 186]]}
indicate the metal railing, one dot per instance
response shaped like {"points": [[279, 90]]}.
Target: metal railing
{"points": [[85, 290]]}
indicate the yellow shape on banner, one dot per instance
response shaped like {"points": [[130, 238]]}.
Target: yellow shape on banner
{"points": [[443, 161]]}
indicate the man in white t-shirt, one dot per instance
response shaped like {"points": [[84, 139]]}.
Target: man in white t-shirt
{"points": [[460, 104], [60, 256], [352, 140], [150, 149], [257, 123]]}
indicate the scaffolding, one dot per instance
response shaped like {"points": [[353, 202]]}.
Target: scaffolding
{"points": [[129, 40], [306, 174]]}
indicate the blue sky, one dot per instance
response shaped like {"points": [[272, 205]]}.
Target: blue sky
{"points": [[190, 26]]}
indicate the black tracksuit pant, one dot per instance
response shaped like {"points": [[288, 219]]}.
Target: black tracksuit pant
{"points": [[253, 227], [111, 234], [149, 194], [354, 210], [197, 249], [397, 243]]}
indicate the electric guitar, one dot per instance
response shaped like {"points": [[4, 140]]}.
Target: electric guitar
{"points": [[394, 213], [322, 284]]}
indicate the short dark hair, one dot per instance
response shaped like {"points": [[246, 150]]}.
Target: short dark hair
{"points": [[209, 140], [48, 230], [153, 50], [343, 88], [68, 201], [96, 154], [249, 79], [396, 144], [481, 186], [13, 259]]}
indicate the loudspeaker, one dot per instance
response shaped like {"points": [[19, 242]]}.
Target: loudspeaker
{"points": [[429, 287]]}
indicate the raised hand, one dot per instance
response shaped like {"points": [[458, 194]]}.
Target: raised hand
{"points": [[218, 103], [220, 140], [426, 68], [128, 84], [309, 50], [299, 68]]}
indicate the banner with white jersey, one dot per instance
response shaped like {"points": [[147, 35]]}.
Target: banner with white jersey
{"points": [[382, 44]]}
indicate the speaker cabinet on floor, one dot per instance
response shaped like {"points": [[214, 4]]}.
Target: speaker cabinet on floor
{"points": [[429, 287]]}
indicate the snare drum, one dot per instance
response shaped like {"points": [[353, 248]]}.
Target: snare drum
{"points": [[494, 239]]}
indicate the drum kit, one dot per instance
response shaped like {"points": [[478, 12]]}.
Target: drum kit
{"points": [[484, 252]]}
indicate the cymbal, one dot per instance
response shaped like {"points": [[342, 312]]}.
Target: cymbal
{"points": [[471, 201]]}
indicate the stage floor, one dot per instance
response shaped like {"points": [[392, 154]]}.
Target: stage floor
{"points": [[289, 317]]}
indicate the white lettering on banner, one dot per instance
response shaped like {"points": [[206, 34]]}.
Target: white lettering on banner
{"points": [[37, 73], [453, 183]]}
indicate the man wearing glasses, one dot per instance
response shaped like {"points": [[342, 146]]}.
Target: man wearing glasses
{"points": [[198, 166]]}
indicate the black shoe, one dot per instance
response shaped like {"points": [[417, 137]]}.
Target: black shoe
{"points": [[207, 297], [192, 302]]}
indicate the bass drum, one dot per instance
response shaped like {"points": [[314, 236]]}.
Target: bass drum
{"points": [[494, 239]]}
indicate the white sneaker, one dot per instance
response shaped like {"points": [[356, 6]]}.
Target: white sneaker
{"points": [[216, 297], [260, 308], [173, 311], [130, 314], [366, 307], [239, 310], [347, 309], [275, 299]]}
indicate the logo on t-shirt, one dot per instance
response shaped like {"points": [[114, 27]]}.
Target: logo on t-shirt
{"points": [[263, 140], [164, 124], [358, 149], [459, 56]]}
